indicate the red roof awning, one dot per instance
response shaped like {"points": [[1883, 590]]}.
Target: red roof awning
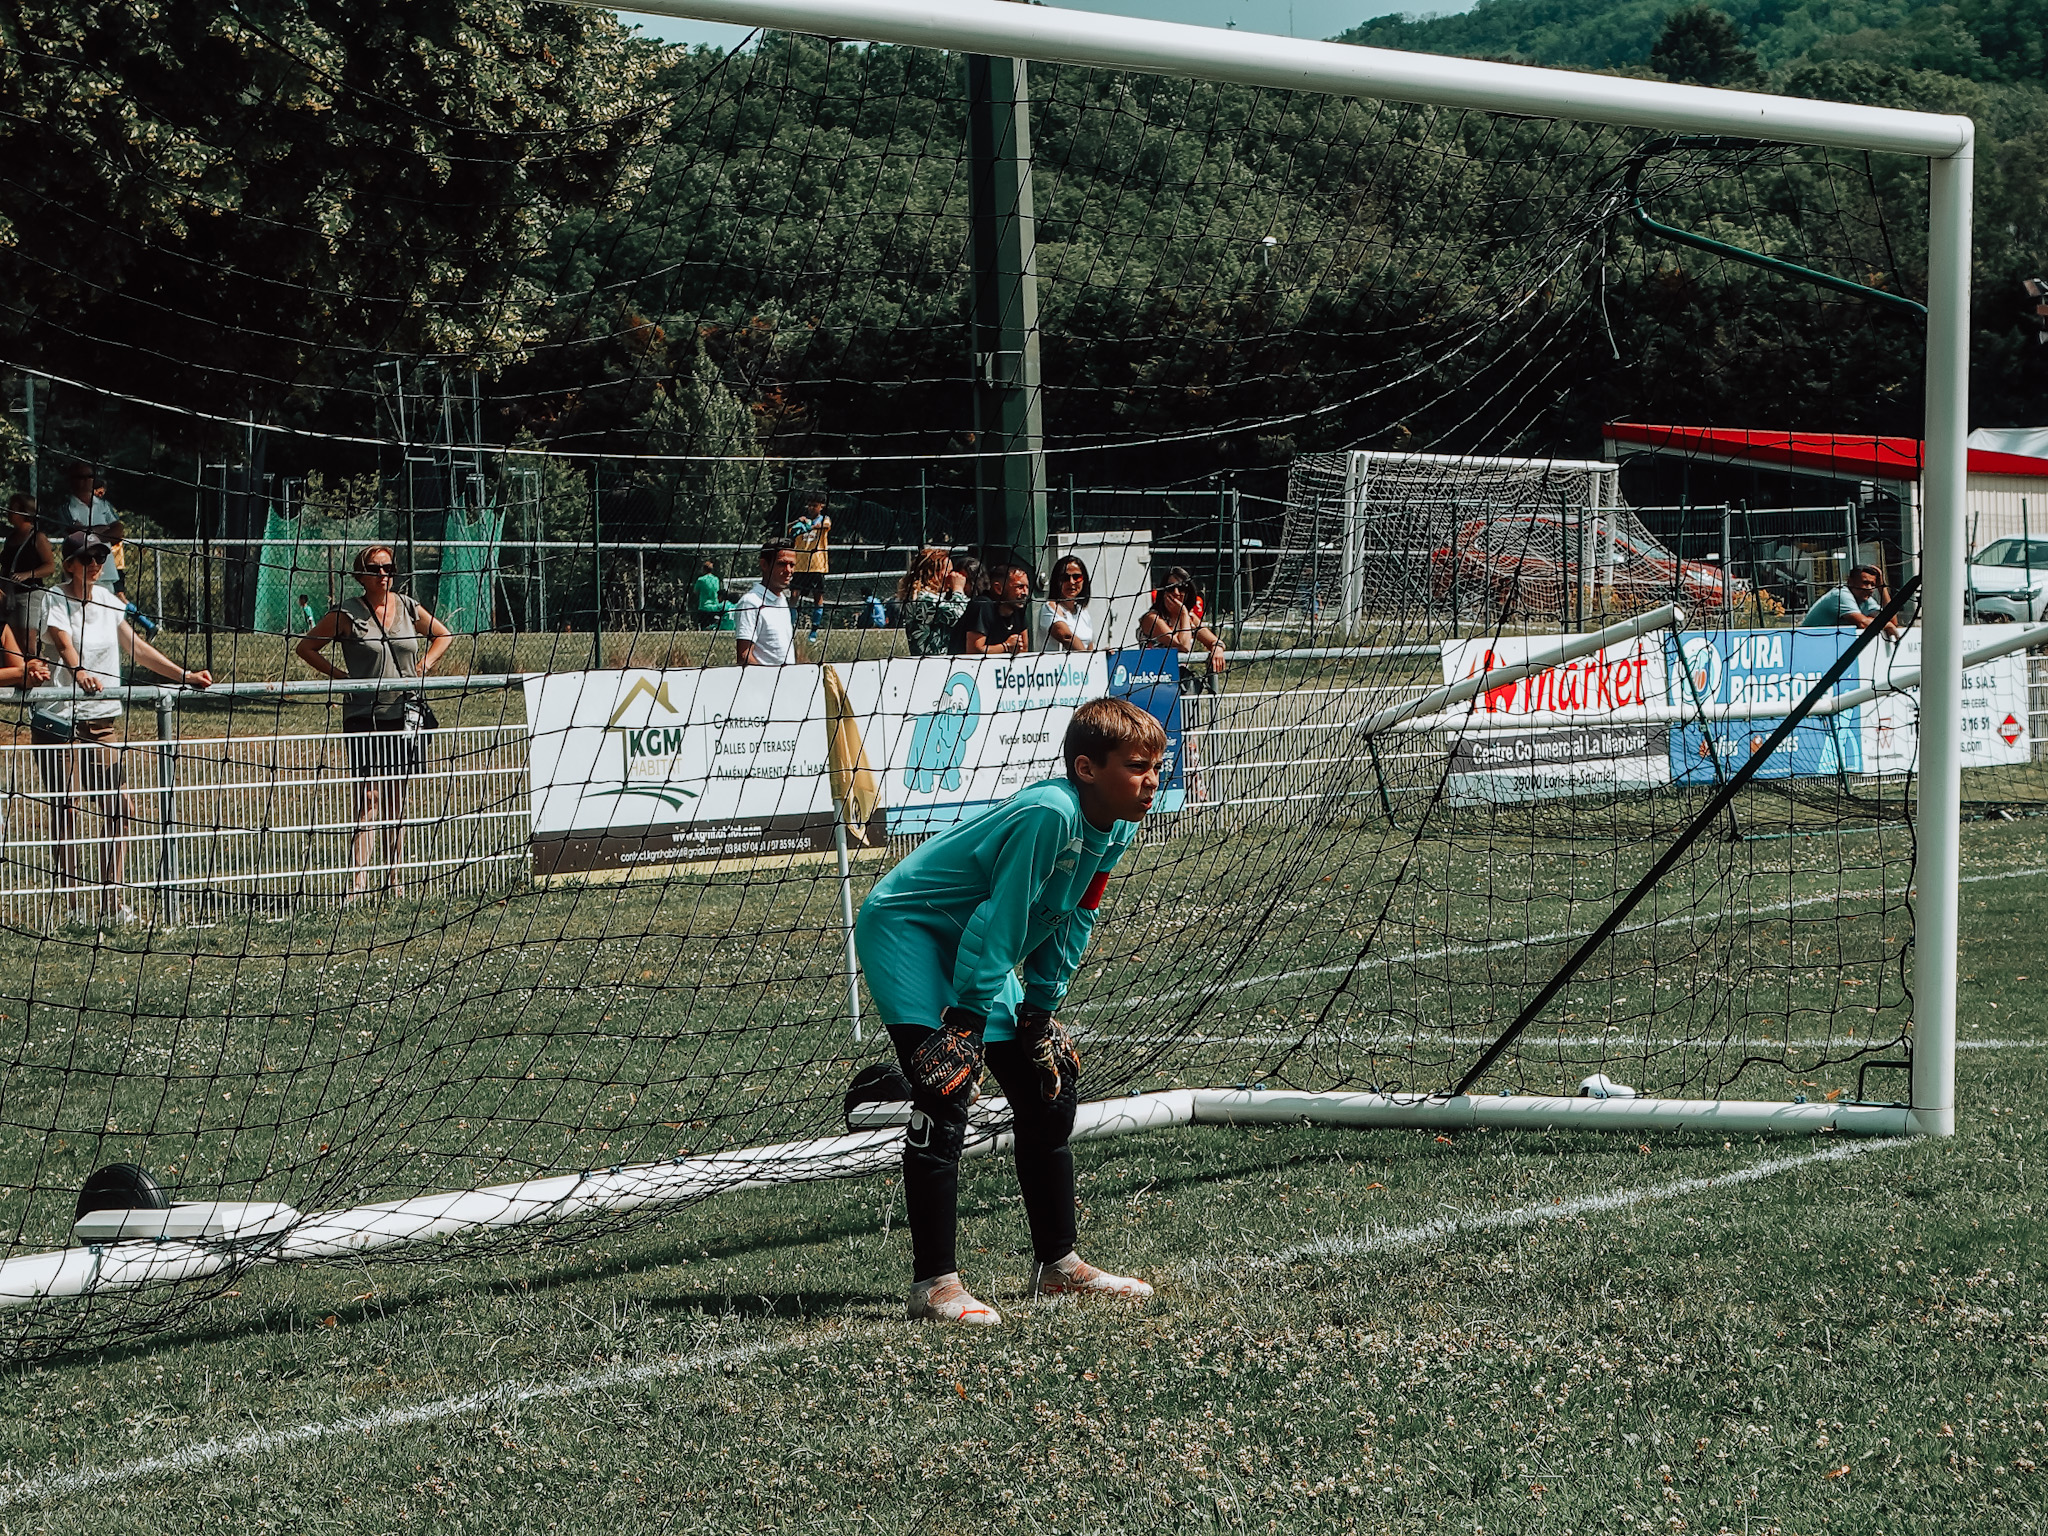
{"points": [[1849, 456]]}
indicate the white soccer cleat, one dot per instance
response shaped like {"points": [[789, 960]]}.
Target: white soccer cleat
{"points": [[1075, 1276], [1601, 1086], [946, 1300]]}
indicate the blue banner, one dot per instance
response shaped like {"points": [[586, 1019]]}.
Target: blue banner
{"points": [[1763, 666], [1150, 679]]}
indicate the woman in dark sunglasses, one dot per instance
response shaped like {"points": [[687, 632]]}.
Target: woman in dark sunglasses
{"points": [[380, 634]]}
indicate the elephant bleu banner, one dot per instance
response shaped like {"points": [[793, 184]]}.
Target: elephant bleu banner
{"points": [[637, 770]]}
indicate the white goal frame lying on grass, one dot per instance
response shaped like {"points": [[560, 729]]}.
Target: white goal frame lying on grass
{"points": [[219, 1237]]}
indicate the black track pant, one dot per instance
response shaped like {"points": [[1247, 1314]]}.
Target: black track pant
{"points": [[931, 1159]]}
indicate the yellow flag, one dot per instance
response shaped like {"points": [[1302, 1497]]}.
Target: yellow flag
{"points": [[853, 777]]}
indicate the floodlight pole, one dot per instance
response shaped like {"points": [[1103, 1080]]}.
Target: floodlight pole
{"points": [[1937, 868], [1009, 419]]}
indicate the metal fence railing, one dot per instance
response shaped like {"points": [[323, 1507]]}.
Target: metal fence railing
{"points": [[223, 825]]}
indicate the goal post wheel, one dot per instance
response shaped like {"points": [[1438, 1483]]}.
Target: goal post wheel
{"points": [[881, 1082], [121, 1187]]}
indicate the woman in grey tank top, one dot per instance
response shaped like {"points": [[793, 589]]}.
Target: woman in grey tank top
{"points": [[380, 635]]}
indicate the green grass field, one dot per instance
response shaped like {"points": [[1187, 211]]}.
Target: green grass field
{"points": [[1381, 1331]]}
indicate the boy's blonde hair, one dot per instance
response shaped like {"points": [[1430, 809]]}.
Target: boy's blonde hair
{"points": [[1100, 726]]}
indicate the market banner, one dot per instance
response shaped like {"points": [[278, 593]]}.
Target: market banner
{"points": [[1579, 738]]}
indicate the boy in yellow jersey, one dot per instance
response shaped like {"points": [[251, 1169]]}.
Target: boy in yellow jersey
{"points": [[941, 939]]}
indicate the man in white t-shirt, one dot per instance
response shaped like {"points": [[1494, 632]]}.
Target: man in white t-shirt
{"points": [[86, 630], [761, 625]]}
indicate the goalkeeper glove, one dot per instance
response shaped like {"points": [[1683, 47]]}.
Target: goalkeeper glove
{"points": [[1050, 1047], [946, 1064]]}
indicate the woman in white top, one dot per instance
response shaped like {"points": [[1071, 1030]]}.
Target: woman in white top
{"points": [[79, 744], [1065, 613]]}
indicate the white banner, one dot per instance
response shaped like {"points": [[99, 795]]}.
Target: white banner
{"points": [[639, 769], [951, 735], [1993, 724], [1594, 749]]}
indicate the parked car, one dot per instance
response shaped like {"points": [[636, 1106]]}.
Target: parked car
{"points": [[2008, 582], [1530, 562]]}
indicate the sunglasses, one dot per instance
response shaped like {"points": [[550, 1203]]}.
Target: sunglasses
{"points": [[89, 558], [380, 570]]}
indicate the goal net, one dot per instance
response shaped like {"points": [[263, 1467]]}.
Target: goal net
{"points": [[1484, 805]]}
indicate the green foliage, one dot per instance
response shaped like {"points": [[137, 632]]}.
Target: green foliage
{"points": [[1701, 46], [205, 191]]}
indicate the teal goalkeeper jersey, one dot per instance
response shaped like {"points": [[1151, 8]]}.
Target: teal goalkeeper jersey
{"points": [[1016, 886]]}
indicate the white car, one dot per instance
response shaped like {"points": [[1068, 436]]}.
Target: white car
{"points": [[2008, 582]]}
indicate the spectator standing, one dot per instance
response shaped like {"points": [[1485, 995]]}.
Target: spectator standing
{"points": [[306, 616], [764, 635], [80, 743], [380, 634], [809, 536], [933, 598], [1000, 623], [28, 562], [1175, 621], [707, 597], [1065, 613], [1854, 604], [89, 507]]}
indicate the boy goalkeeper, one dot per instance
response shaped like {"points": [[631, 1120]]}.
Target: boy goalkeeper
{"points": [[941, 938]]}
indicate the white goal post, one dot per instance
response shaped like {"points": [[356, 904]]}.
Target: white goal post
{"points": [[1947, 142], [188, 1242]]}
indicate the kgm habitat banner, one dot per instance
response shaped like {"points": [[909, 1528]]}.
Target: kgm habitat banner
{"points": [[1573, 729], [640, 769]]}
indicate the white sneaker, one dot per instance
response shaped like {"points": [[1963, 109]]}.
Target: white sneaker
{"points": [[1075, 1276], [946, 1300]]}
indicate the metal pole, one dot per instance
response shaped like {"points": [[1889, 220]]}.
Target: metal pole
{"points": [[596, 565], [1938, 848], [2027, 557], [1236, 568], [167, 803], [846, 916], [640, 586]]}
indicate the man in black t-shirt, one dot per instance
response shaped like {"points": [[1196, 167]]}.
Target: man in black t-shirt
{"points": [[1001, 622]]}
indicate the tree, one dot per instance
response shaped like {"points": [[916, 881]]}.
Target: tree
{"points": [[242, 206], [1700, 46]]}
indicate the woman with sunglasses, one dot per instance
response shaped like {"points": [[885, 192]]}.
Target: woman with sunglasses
{"points": [[380, 634], [1064, 614]]}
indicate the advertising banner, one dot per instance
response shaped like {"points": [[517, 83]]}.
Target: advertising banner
{"points": [[954, 735], [1993, 729], [1150, 679], [1585, 743], [637, 768], [1763, 666]]}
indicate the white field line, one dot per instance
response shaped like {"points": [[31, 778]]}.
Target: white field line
{"points": [[509, 1394], [488, 1402], [1620, 1044], [1354, 1245], [1525, 941]]}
